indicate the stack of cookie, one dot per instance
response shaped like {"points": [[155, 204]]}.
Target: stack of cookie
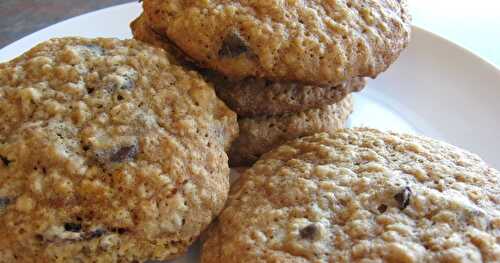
{"points": [[115, 151], [287, 70]]}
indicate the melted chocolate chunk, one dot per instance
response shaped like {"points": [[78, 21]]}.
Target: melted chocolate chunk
{"points": [[308, 232], [124, 153], [403, 198], [382, 208], [95, 233], [5, 161], [4, 202], [73, 227], [233, 46], [119, 230]]}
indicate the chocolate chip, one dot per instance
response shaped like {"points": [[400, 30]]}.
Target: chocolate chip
{"points": [[4, 202], [73, 227], [39, 237], [95, 233], [233, 46], [119, 230], [382, 208], [308, 232], [5, 161], [124, 153], [403, 198]]}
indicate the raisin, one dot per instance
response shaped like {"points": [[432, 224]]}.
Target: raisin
{"points": [[308, 232], [73, 227], [403, 198], [233, 46], [124, 153]]}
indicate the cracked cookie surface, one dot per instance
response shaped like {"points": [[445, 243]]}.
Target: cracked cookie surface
{"points": [[108, 152], [361, 195], [314, 42]]}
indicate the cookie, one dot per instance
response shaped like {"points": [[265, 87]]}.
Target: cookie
{"points": [[142, 32], [261, 134], [109, 153], [314, 42], [256, 97], [361, 195]]}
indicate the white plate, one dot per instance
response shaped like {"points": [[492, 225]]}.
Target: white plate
{"points": [[436, 88]]}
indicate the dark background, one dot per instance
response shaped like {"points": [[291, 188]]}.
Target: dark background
{"points": [[19, 18]]}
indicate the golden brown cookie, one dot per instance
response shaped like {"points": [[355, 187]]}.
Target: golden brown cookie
{"points": [[109, 153], [361, 195], [315, 42], [261, 134]]}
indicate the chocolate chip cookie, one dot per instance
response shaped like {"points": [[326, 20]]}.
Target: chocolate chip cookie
{"points": [[261, 134], [109, 153], [314, 42], [361, 195]]}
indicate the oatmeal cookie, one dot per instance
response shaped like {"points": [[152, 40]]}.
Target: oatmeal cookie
{"points": [[108, 153], [314, 42], [361, 195]]}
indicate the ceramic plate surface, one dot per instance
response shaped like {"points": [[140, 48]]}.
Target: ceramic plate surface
{"points": [[436, 88]]}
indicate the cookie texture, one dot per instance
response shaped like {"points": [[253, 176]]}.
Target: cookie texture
{"points": [[257, 97], [143, 32], [261, 134], [315, 42], [361, 196], [109, 153]]}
